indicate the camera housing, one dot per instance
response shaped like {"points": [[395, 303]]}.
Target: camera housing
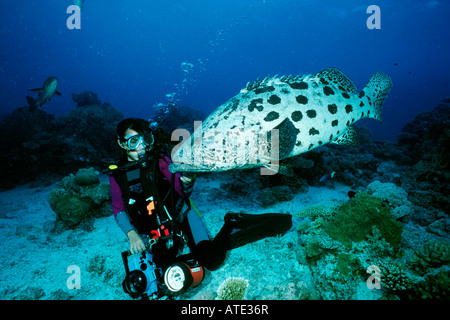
{"points": [[142, 275]]}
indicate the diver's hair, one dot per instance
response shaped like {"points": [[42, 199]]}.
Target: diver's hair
{"points": [[139, 125]]}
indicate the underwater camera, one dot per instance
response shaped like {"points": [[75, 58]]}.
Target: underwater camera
{"points": [[183, 275], [142, 275], [143, 279]]}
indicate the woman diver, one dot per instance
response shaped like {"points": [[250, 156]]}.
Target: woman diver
{"points": [[152, 207]]}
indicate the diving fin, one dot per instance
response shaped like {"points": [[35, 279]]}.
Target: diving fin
{"points": [[249, 228]]}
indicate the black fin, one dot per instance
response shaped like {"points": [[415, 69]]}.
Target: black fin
{"points": [[253, 227]]}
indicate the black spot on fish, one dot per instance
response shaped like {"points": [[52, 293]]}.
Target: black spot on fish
{"points": [[298, 143], [272, 116], [345, 95], [328, 91], [310, 146], [361, 104], [332, 108], [296, 116], [362, 114], [311, 113], [361, 94], [299, 85], [331, 137], [256, 104], [313, 131], [274, 99], [348, 108], [323, 81], [302, 99], [264, 89], [334, 123], [285, 91], [341, 88], [320, 143], [347, 123]]}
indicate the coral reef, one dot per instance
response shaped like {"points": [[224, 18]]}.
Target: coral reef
{"points": [[80, 197], [232, 289], [41, 148], [354, 220], [86, 98], [433, 254], [425, 143]]}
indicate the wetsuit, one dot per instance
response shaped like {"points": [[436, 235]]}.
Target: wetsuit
{"points": [[130, 210]]}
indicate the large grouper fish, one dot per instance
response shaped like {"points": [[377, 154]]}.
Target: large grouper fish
{"points": [[308, 111]]}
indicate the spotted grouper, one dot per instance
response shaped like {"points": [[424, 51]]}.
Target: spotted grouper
{"points": [[277, 118]]}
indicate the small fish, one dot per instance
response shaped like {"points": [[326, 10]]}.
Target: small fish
{"points": [[351, 194], [48, 90], [327, 177]]}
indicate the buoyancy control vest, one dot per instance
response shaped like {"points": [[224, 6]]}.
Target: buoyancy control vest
{"points": [[152, 204]]}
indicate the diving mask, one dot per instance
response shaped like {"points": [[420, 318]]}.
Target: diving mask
{"points": [[139, 141]]}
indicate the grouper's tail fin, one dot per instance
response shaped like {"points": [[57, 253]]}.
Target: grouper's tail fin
{"points": [[376, 91]]}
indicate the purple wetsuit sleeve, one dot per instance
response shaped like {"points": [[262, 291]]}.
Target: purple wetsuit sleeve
{"points": [[164, 163], [118, 206], [116, 196]]}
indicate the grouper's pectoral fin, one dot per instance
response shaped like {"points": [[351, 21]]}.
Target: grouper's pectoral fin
{"points": [[37, 89], [348, 138], [287, 137]]}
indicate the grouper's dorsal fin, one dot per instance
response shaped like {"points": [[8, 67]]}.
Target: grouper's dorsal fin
{"points": [[337, 78]]}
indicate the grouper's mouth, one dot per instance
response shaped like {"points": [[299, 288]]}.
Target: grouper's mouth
{"points": [[181, 167]]}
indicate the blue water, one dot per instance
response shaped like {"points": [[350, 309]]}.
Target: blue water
{"points": [[131, 52]]}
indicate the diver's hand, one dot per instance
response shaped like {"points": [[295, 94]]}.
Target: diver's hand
{"points": [[136, 243], [187, 183]]}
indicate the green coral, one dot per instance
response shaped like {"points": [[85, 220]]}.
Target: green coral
{"points": [[433, 254], [232, 289], [354, 220], [436, 287], [395, 278], [347, 263], [314, 211], [79, 197], [317, 212]]}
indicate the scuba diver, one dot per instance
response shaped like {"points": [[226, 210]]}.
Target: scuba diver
{"points": [[169, 245]]}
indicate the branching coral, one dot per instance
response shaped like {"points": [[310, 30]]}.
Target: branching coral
{"points": [[396, 197], [434, 254], [394, 278], [232, 289]]}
